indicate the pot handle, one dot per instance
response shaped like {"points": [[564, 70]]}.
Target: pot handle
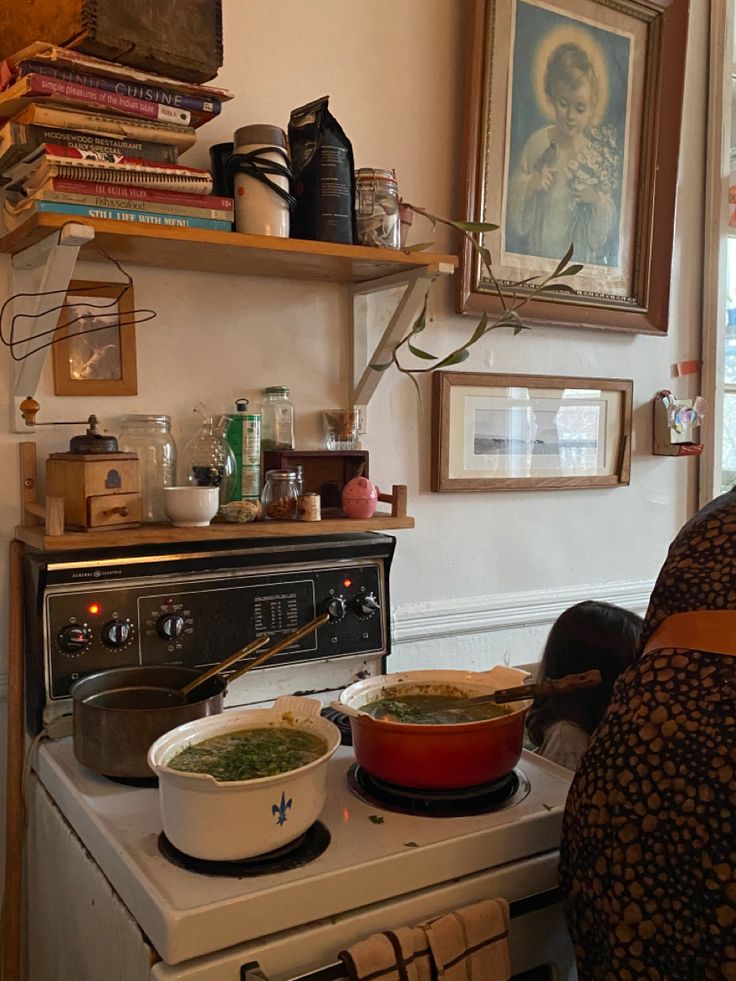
{"points": [[502, 677], [298, 704]]}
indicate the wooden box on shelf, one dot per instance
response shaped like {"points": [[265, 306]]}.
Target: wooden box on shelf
{"points": [[180, 38], [325, 471], [100, 490]]}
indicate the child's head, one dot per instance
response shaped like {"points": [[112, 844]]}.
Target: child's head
{"points": [[590, 636], [571, 85]]}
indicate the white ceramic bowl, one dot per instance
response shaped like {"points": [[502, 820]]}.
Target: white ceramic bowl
{"points": [[239, 819], [191, 507]]}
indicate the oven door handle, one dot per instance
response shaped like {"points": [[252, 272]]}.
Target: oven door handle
{"points": [[336, 972], [252, 971]]}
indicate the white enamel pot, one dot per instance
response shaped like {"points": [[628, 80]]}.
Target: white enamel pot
{"points": [[227, 821], [437, 757]]}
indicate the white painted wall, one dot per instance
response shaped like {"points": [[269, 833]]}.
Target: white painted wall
{"points": [[477, 565]]}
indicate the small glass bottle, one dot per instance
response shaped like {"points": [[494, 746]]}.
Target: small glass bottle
{"points": [[277, 419], [279, 495], [207, 460], [150, 438]]}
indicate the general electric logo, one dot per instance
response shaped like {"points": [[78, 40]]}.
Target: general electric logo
{"points": [[98, 574]]}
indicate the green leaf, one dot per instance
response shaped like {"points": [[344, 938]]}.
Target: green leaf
{"points": [[421, 322], [479, 330], [572, 270], [419, 247], [375, 819], [462, 354], [410, 844], [381, 367], [563, 261], [474, 226], [421, 354], [485, 255], [556, 288]]}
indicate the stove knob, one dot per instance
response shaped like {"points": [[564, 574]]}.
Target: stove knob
{"points": [[366, 605], [336, 608], [116, 633], [170, 626], [73, 638]]}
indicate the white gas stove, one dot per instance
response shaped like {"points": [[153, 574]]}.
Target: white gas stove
{"points": [[380, 870], [110, 899]]}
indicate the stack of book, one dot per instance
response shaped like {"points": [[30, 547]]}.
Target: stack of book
{"points": [[90, 138]]}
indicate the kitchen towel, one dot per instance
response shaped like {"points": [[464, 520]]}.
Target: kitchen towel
{"points": [[395, 955], [472, 944]]}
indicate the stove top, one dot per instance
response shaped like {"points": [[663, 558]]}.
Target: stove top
{"points": [[373, 854]]}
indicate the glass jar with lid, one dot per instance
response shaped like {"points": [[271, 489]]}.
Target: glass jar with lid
{"points": [[277, 419], [279, 495], [150, 438], [207, 460], [377, 208]]}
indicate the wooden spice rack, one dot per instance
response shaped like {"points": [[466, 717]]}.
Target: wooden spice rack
{"points": [[43, 524]]}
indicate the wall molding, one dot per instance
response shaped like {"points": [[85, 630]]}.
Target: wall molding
{"points": [[507, 611]]}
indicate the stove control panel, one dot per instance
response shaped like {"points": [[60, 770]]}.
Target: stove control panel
{"points": [[198, 622]]}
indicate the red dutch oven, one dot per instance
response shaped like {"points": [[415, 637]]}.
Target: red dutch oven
{"points": [[437, 756]]}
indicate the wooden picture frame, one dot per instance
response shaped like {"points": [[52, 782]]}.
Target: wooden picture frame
{"points": [[572, 130], [529, 432], [94, 349]]}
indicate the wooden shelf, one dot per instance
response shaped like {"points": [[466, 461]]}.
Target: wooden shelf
{"points": [[219, 531], [230, 252]]}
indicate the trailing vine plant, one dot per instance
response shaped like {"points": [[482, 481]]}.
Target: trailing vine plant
{"points": [[511, 299]]}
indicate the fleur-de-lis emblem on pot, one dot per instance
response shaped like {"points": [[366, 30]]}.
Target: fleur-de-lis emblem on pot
{"points": [[279, 810]]}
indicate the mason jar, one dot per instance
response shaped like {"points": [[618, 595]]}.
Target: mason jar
{"points": [[149, 437], [277, 419], [377, 208], [279, 495]]}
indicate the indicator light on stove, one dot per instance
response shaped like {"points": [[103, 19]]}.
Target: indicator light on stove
{"points": [[347, 583], [94, 609]]}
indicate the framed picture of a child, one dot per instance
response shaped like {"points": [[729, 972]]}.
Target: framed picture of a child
{"points": [[573, 112]]}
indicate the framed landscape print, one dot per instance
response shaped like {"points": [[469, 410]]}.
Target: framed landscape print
{"points": [[529, 432], [573, 112]]}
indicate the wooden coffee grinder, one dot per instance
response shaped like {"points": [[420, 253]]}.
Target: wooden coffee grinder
{"points": [[99, 484]]}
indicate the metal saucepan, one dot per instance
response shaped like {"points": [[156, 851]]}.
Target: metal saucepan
{"points": [[465, 754], [114, 725]]}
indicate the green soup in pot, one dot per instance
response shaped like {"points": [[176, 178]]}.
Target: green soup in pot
{"points": [[428, 710], [250, 753]]}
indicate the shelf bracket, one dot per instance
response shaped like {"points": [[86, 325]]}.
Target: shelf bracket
{"points": [[57, 255], [415, 284]]}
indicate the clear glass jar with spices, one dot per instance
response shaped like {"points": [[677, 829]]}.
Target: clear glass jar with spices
{"points": [[277, 419], [279, 495], [150, 438]]}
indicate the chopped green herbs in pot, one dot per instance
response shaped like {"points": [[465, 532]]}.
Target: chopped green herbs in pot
{"points": [[428, 710], [250, 753]]}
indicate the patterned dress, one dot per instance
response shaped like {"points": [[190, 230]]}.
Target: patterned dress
{"points": [[648, 856]]}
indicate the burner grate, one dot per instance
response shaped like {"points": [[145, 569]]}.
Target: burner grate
{"points": [[301, 851], [460, 802]]}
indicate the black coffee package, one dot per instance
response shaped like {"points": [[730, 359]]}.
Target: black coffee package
{"points": [[324, 176]]}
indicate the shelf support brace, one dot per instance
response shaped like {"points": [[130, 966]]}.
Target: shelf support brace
{"points": [[415, 283], [58, 254]]}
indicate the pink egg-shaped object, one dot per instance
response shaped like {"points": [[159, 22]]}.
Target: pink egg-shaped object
{"points": [[360, 498]]}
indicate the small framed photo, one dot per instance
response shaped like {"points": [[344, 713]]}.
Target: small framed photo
{"points": [[572, 135], [529, 432], [94, 349]]}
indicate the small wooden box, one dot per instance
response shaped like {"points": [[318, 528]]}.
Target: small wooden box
{"points": [[325, 471], [179, 38], [100, 490]]}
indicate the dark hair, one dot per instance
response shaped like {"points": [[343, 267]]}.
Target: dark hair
{"points": [[570, 64], [588, 636]]}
